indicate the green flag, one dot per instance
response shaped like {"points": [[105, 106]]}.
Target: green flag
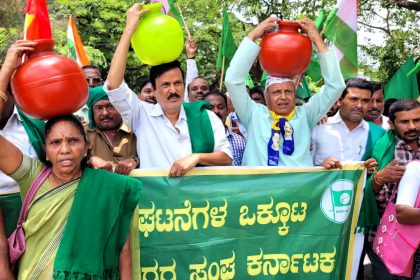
{"points": [[263, 79], [227, 47], [319, 21], [249, 81], [415, 69], [314, 68], [340, 29], [174, 12], [401, 85], [303, 91]]}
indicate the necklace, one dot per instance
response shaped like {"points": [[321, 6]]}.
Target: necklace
{"points": [[61, 181], [109, 140]]}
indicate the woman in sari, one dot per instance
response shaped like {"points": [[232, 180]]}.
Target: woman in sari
{"points": [[78, 222]]}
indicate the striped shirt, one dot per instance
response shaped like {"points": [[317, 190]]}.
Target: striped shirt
{"points": [[237, 143]]}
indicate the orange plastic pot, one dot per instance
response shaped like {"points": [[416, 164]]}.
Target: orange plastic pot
{"points": [[285, 52], [48, 84]]}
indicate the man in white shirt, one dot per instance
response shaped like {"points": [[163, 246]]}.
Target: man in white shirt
{"points": [[166, 136], [376, 107], [346, 135]]}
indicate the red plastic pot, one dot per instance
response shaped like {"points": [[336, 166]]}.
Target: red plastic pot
{"points": [[285, 52], [48, 84]]}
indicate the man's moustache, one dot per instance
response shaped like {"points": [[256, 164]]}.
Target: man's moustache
{"points": [[173, 95]]}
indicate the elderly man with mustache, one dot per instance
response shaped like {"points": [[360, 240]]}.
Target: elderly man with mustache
{"points": [[170, 134]]}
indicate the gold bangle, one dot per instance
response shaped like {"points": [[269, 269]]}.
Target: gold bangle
{"points": [[3, 96]]}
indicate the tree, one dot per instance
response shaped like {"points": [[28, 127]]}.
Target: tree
{"points": [[101, 23]]}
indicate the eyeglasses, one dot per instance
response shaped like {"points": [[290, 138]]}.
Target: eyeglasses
{"points": [[94, 80], [100, 108]]}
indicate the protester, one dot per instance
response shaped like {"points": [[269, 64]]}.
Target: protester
{"points": [[393, 151], [94, 79], [197, 89], [27, 134], [218, 104], [169, 134], [93, 76], [346, 135], [147, 93], [191, 49], [257, 94], [281, 133], [408, 190], [377, 106], [79, 250], [112, 144]]}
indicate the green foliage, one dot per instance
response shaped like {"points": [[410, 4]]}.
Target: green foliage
{"points": [[100, 24]]}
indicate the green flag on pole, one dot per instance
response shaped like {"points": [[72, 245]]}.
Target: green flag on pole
{"points": [[227, 47], [314, 68], [401, 85], [319, 21], [174, 12], [340, 29], [415, 70]]}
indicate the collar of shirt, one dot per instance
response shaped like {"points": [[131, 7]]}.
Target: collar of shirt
{"points": [[157, 112], [123, 128], [337, 119], [399, 143], [13, 119], [228, 131]]}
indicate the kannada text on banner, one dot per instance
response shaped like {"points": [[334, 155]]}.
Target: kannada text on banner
{"points": [[246, 223]]}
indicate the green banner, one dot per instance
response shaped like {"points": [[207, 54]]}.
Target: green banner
{"points": [[249, 223]]}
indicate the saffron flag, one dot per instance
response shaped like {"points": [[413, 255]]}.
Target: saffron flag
{"points": [[341, 30], [37, 22], [401, 84], [75, 45]]}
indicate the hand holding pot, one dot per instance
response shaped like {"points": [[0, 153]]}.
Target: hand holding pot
{"points": [[133, 16], [263, 28], [309, 28], [15, 52]]}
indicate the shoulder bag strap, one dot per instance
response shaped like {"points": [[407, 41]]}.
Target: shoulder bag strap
{"points": [[42, 176]]}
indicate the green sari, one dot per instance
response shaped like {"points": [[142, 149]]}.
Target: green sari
{"points": [[46, 223]]}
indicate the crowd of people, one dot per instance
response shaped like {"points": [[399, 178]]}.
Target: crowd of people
{"points": [[176, 122]]}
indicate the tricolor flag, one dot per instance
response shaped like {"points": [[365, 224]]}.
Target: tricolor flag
{"points": [[75, 45], [37, 22], [341, 30]]}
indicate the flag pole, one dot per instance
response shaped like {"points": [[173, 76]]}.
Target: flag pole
{"points": [[223, 72], [183, 20]]}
